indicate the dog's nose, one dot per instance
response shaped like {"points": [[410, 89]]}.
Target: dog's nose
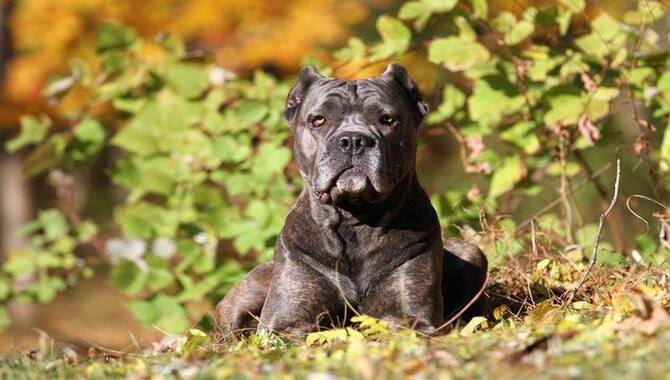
{"points": [[354, 142]]}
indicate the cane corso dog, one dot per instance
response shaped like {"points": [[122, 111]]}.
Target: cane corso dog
{"points": [[362, 236]]}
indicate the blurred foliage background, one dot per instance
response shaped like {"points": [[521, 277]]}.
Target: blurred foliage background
{"points": [[145, 144]]}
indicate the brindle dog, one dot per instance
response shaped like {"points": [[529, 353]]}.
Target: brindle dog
{"points": [[363, 234]]}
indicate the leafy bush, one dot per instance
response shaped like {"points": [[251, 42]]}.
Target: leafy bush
{"points": [[201, 156]]}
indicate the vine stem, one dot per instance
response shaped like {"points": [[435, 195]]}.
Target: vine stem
{"points": [[601, 223]]}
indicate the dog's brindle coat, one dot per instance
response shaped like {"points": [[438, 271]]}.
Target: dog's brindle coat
{"points": [[362, 234]]}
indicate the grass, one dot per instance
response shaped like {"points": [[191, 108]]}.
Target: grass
{"points": [[617, 328]]}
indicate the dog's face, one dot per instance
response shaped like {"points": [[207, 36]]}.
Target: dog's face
{"points": [[355, 140]]}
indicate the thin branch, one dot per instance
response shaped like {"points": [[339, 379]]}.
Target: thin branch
{"points": [[601, 223], [557, 201], [615, 222], [654, 201]]}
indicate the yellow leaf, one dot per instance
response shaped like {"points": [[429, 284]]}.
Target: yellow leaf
{"points": [[472, 326], [499, 312]]}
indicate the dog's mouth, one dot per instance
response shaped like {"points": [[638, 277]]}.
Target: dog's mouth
{"points": [[351, 185]]}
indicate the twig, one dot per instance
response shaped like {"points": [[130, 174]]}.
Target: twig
{"points": [[601, 223], [557, 201], [614, 222], [457, 314], [654, 201]]}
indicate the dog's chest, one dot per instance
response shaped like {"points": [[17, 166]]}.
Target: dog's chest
{"points": [[369, 252]]}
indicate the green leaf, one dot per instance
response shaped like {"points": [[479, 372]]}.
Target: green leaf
{"points": [[521, 134], [354, 51], [154, 127], [191, 148], [574, 6], [161, 174], [89, 130], [593, 45], [515, 30], [504, 22], [46, 289], [663, 83], [452, 100], [159, 279], [145, 220], [493, 97], [664, 151], [112, 36], [457, 53], [604, 39], [228, 149], [586, 237], [465, 30], [563, 19], [647, 12], [134, 138], [163, 312], [565, 106], [186, 79], [413, 9], [173, 44], [571, 169], [194, 340], [521, 30], [19, 264], [128, 277], [395, 38], [505, 177], [250, 112], [480, 8], [127, 172], [89, 135], [598, 103], [198, 290], [53, 223], [606, 26], [437, 6], [270, 159], [574, 64], [33, 131], [425, 8]]}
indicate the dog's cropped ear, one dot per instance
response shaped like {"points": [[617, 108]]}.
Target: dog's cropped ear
{"points": [[398, 73], [307, 77]]}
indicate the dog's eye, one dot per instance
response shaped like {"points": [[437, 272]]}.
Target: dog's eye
{"points": [[388, 120], [318, 121]]}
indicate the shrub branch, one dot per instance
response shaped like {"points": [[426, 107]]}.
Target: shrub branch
{"points": [[601, 223]]}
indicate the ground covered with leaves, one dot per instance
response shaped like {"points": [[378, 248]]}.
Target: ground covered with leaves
{"points": [[618, 327]]}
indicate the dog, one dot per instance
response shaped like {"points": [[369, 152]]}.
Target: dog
{"points": [[362, 236]]}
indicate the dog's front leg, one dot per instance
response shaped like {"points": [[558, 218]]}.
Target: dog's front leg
{"points": [[237, 313], [300, 299], [410, 296]]}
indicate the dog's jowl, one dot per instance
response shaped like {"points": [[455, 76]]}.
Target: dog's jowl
{"points": [[362, 235]]}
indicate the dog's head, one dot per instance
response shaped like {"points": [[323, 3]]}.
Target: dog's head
{"points": [[355, 140]]}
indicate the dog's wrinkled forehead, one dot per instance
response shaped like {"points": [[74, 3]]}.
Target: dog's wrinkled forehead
{"points": [[394, 92], [332, 94]]}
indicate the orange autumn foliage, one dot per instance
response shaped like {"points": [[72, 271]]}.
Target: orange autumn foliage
{"points": [[241, 35]]}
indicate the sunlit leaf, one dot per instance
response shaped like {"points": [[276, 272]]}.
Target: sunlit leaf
{"points": [[33, 130], [395, 38]]}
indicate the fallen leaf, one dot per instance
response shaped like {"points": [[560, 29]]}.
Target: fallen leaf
{"points": [[472, 326]]}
